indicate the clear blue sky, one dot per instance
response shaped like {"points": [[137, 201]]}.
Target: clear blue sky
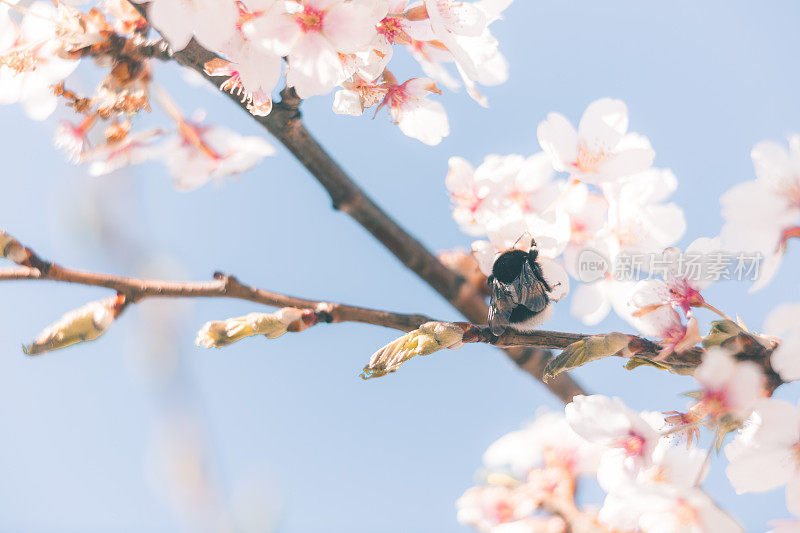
{"points": [[703, 80]]}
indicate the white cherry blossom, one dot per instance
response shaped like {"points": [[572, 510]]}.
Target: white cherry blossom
{"points": [[761, 215], [30, 65], [199, 153], [600, 150], [783, 323], [211, 22], [550, 437], [502, 184], [665, 511], [463, 30], [763, 455], [133, 149], [629, 437]]}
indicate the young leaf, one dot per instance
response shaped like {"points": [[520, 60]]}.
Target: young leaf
{"points": [[587, 350]]}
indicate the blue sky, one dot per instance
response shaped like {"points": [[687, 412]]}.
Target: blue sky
{"points": [[704, 81]]}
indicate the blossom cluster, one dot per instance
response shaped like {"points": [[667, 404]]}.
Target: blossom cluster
{"points": [[651, 483], [344, 45], [314, 47], [592, 200], [651, 478]]}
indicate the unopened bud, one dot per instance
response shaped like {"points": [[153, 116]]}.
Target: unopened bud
{"points": [[224, 332], [10, 248], [429, 338], [83, 324]]}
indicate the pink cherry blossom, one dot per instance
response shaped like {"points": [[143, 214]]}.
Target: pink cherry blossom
{"points": [[600, 150], [357, 95], [314, 33], [416, 115], [487, 507], [252, 73]]}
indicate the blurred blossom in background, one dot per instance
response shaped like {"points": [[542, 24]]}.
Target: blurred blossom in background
{"points": [[143, 431]]}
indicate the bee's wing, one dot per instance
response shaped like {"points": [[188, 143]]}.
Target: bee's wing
{"points": [[530, 290], [502, 303]]}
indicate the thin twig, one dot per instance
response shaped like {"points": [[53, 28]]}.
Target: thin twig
{"points": [[285, 124]]}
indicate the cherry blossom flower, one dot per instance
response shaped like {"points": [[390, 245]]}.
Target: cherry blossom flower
{"points": [[764, 455], [73, 139], [665, 511], [678, 289], [637, 222], [469, 190], [761, 215], [313, 33], [114, 154], [211, 22], [600, 150], [29, 65], [782, 322], [462, 28], [432, 57], [730, 388], [252, 73], [630, 438], [199, 153], [504, 183], [533, 524], [549, 439], [357, 95], [638, 219], [666, 325], [487, 507], [391, 30], [416, 115]]}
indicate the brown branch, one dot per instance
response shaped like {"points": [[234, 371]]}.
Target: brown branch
{"points": [[285, 124], [222, 286], [227, 286]]}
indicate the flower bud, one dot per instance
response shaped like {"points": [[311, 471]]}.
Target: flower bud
{"points": [[10, 248], [83, 324], [224, 332], [429, 338]]}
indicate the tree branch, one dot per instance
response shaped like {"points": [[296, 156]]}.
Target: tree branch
{"points": [[227, 286], [285, 124]]}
